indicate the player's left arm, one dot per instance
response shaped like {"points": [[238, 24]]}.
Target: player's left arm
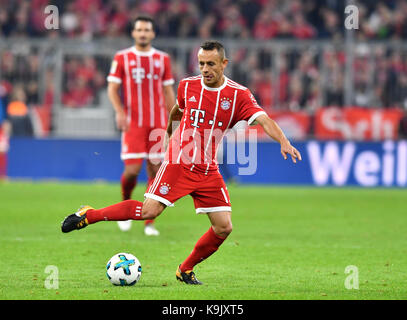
{"points": [[274, 131]]}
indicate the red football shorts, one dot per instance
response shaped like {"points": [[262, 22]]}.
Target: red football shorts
{"points": [[174, 181], [142, 143]]}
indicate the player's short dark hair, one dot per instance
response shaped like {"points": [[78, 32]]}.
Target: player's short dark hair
{"points": [[145, 19], [212, 45]]}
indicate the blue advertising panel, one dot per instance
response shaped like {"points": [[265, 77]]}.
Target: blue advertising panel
{"points": [[325, 163]]}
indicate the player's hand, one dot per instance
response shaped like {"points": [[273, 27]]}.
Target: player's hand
{"points": [[287, 148], [121, 121]]}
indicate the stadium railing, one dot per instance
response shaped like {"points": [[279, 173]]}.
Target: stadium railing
{"points": [[66, 77]]}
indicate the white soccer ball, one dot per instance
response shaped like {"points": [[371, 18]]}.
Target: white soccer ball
{"points": [[123, 269]]}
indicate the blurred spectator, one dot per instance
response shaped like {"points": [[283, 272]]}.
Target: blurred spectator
{"points": [[78, 94], [301, 28], [70, 20], [333, 79], [18, 113], [232, 22], [83, 79], [261, 87], [4, 131], [331, 27], [265, 26]]}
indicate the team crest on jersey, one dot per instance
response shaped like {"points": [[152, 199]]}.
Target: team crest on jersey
{"points": [[132, 62], [157, 63], [225, 103], [164, 188]]}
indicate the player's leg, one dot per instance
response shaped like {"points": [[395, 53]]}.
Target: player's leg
{"points": [[124, 210], [3, 165], [211, 199], [159, 196], [152, 168], [132, 168], [128, 182], [208, 244], [133, 151]]}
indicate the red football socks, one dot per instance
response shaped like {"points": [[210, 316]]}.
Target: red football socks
{"points": [[127, 187], [3, 165], [125, 210], [205, 247]]}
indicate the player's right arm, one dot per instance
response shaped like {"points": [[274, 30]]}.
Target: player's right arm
{"points": [[115, 79], [274, 131], [113, 92], [249, 110]]}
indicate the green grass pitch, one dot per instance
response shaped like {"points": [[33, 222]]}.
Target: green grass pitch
{"points": [[287, 243]]}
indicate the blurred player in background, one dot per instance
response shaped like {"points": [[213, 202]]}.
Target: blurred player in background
{"points": [[207, 105], [143, 75], [5, 129]]}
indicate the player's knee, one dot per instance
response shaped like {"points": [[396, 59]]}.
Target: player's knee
{"points": [[151, 209], [223, 230], [149, 213], [132, 171]]}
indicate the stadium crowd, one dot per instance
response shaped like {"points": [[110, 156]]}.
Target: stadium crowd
{"points": [[306, 79], [260, 19]]}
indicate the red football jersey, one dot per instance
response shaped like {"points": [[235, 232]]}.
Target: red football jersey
{"points": [[143, 75], [208, 113]]}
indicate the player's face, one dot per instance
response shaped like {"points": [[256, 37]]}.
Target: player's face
{"points": [[212, 67], [143, 33]]}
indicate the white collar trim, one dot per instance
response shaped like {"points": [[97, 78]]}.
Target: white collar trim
{"points": [[143, 53], [215, 89]]}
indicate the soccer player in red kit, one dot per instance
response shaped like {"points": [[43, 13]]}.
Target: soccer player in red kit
{"points": [[143, 74], [207, 105]]}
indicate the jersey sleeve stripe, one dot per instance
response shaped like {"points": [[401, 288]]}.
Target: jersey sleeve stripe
{"points": [[168, 82], [253, 117], [234, 84], [193, 78], [114, 79]]}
